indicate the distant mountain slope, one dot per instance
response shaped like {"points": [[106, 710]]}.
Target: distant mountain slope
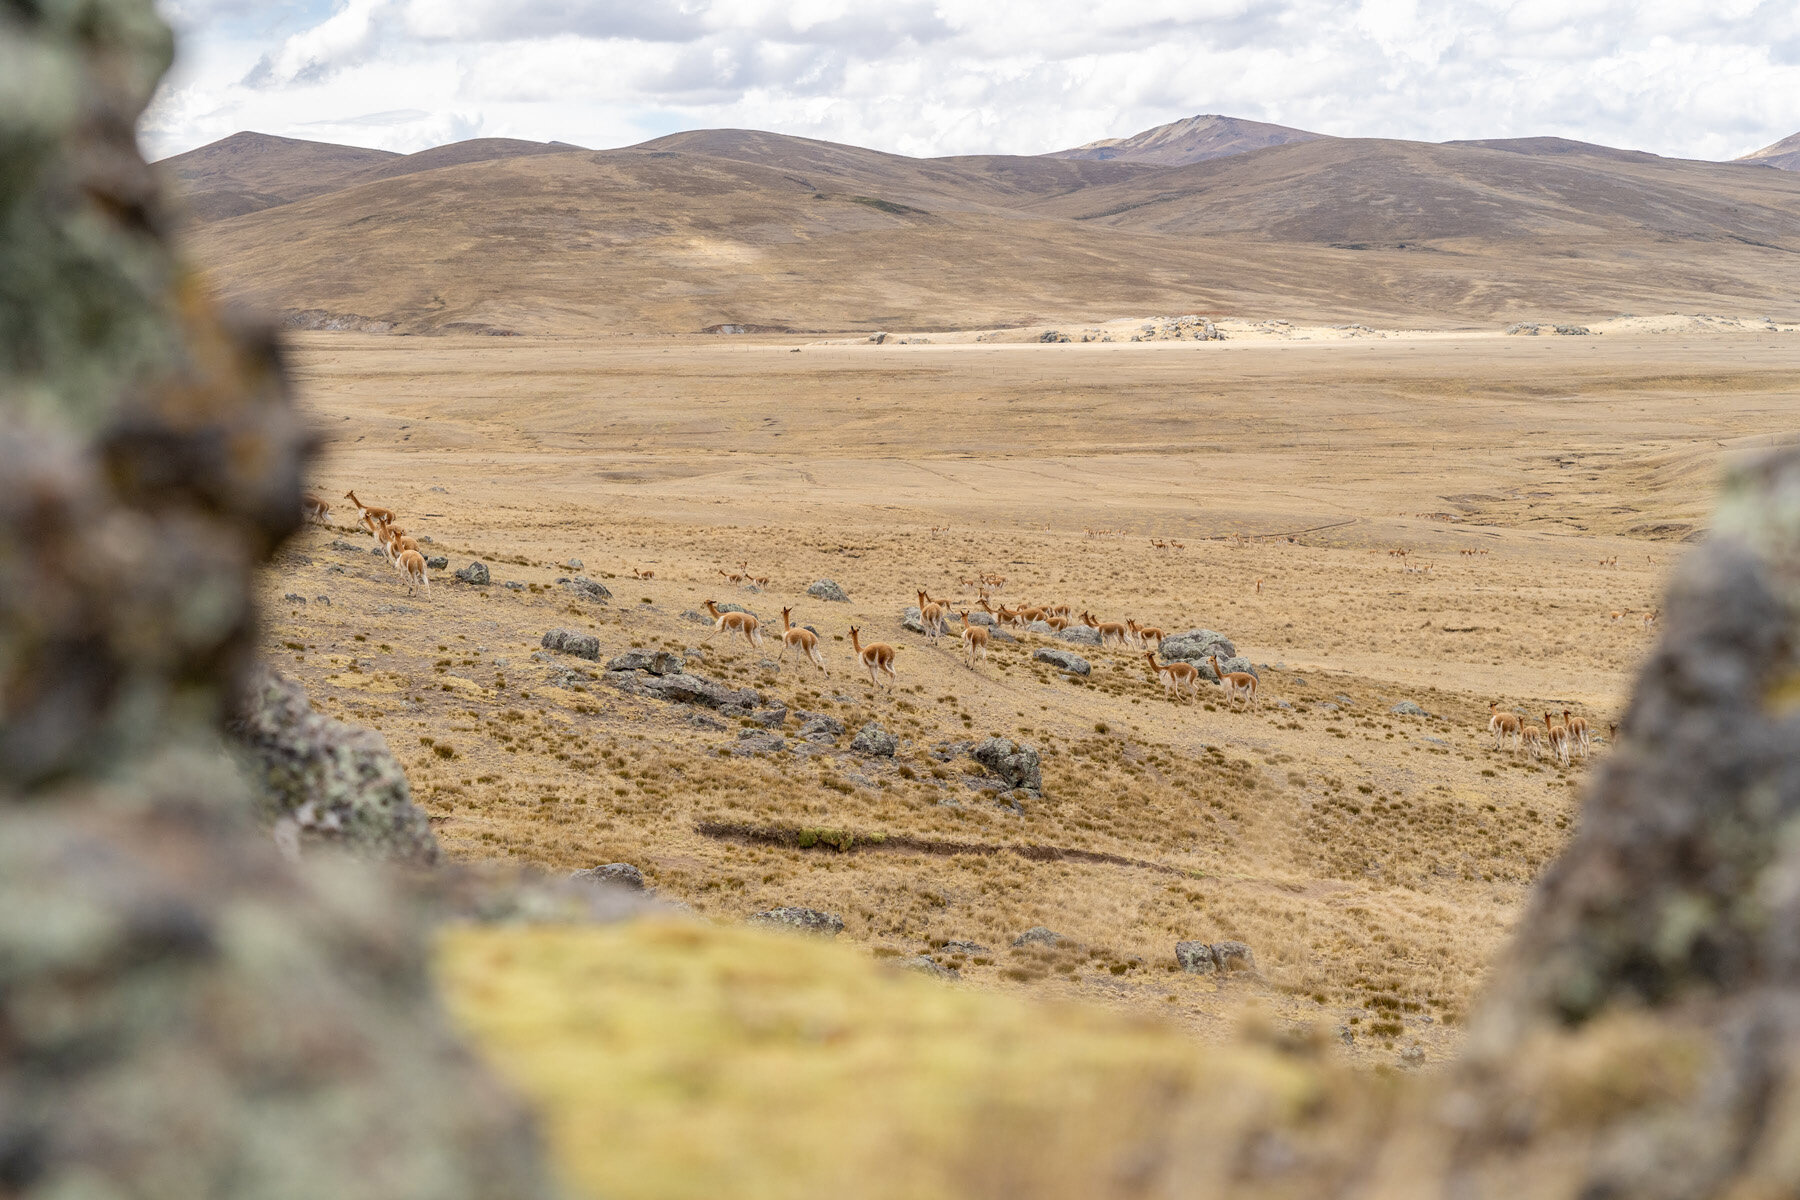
{"points": [[1192, 140], [250, 171], [720, 228], [1784, 154], [1359, 193]]}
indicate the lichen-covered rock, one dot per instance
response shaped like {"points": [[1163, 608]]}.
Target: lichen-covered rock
{"points": [[1039, 935], [657, 662], [570, 641], [613, 874], [816, 727], [683, 688], [825, 589], [1194, 646], [1081, 635], [874, 741], [1063, 660], [1196, 958], [1014, 764], [587, 589], [1406, 708], [437, 562], [807, 920], [335, 783], [185, 1012], [475, 572]]}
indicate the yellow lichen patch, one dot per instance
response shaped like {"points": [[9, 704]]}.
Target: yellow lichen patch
{"points": [[674, 1059]]}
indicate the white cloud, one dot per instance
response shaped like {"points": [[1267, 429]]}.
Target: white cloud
{"points": [[997, 76]]}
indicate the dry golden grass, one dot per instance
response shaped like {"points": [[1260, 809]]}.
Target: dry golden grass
{"points": [[1373, 861]]}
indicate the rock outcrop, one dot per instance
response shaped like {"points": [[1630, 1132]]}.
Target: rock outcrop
{"points": [[323, 780], [825, 589], [183, 1012], [1015, 765]]}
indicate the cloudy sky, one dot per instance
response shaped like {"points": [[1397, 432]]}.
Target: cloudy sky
{"points": [[1696, 78]]}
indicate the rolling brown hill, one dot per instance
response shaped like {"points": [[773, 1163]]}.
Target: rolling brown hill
{"points": [[1192, 140], [741, 228], [1784, 154], [247, 172]]}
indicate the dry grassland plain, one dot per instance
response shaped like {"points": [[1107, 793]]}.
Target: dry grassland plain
{"points": [[1374, 861]]}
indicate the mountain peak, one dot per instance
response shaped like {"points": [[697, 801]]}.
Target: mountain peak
{"points": [[1191, 140], [1784, 154]]}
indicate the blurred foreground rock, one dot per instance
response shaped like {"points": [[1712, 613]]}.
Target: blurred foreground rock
{"points": [[182, 1012], [327, 781]]}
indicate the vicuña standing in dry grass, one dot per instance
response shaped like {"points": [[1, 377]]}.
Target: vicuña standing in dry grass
{"points": [[1236, 684], [1558, 737], [412, 566], [876, 657], [1503, 725], [974, 640], [1580, 735], [796, 637], [313, 509], [728, 623], [931, 616], [1111, 632], [1177, 677]]}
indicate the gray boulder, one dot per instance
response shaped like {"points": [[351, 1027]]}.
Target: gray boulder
{"points": [[731, 608], [1062, 660], [682, 688], [1081, 635], [438, 562], [612, 874], [574, 564], [1014, 764], [1039, 935], [1206, 958], [1195, 645], [657, 662], [807, 920], [1406, 708], [825, 589], [326, 781], [475, 572], [875, 741], [924, 964], [587, 589], [569, 641], [294, 598], [818, 728]]}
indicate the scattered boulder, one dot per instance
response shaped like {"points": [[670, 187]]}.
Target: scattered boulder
{"points": [[476, 572], [825, 589], [874, 741], [807, 920], [295, 598], [819, 728], [977, 617], [587, 589], [926, 965], [513, 585], [1196, 645], [1081, 635], [656, 662], [1016, 765], [1406, 708], [758, 741], [1051, 335], [574, 564], [954, 947], [1039, 935], [731, 608], [438, 562], [612, 874], [683, 688], [323, 599], [323, 780], [1062, 660], [1206, 958], [569, 641], [698, 618], [341, 544]]}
